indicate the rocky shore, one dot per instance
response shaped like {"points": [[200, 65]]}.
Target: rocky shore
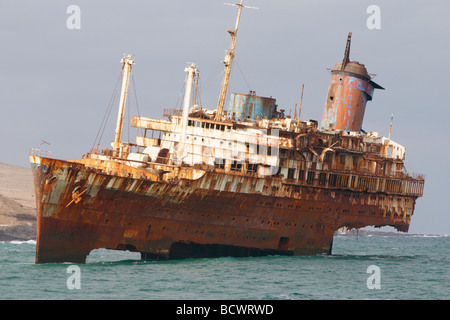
{"points": [[17, 204]]}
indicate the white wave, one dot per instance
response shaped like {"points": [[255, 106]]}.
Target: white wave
{"points": [[430, 235], [22, 242]]}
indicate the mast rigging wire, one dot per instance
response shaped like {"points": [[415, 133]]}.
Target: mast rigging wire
{"points": [[107, 114]]}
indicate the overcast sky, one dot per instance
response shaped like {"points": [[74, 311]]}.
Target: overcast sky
{"points": [[56, 83]]}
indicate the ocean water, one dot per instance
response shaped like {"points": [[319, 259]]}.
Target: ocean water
{"points": [[365, 267]]}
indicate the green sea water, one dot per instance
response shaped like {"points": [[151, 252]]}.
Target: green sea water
{"points": [[366, 267]]}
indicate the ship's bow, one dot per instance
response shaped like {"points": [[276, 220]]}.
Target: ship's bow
{"points": [[57, 239]]}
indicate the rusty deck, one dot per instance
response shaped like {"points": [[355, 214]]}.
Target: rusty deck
{"points": [[81, 209]]}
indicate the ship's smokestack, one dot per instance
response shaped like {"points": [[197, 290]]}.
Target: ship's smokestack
{"points": [[350, 89]]}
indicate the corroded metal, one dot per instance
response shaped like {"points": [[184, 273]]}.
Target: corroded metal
{"points": [[251, 107], [350, 89], [136, 210], [198, 185]]}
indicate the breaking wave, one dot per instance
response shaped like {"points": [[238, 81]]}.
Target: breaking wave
{"points": [[20, 242]]}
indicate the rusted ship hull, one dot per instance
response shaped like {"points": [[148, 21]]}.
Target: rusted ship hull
{"points": [[80, 208]]}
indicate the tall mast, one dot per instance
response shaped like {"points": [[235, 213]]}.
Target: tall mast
{"points": [[300, 106], [390, 128], [191, 72], [389, 138], [126, 70], [229, 60]]}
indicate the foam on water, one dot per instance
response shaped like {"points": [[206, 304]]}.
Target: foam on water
{"points": [[33, 242]]}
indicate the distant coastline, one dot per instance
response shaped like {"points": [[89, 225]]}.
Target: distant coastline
{"points": [[369, 233], [27, 231], [17, 204]]}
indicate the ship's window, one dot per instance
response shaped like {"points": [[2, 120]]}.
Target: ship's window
{"points": [[342, 181], [291, 172], [353, 182], [252, 167], [301, 175], [222, 128], [322, 178], [331, 98], [220, 163], [363, 183], [332, 180], [310, 179], [236, 166]]}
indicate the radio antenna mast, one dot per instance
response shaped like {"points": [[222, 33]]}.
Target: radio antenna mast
{"points": [[229, 56]]}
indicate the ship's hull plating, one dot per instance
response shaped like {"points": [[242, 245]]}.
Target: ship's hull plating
{"points": [[80, 209]]}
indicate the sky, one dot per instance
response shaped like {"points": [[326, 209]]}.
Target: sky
{"points": [[57, 83]]}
